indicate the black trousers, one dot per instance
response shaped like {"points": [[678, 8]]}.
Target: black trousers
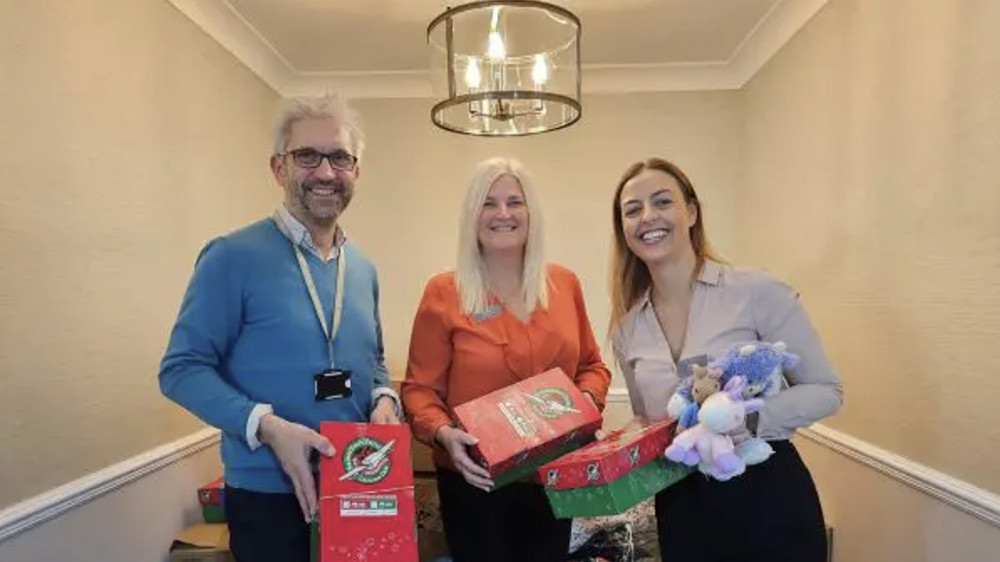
{"points": [[771, 513], [511, 524], [266, 527]]}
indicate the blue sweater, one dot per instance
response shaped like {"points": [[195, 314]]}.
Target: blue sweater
{"points": [[247, 333]]}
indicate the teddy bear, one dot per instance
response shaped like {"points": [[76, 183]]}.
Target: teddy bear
{"points": [[706, 382], [692, 392]]}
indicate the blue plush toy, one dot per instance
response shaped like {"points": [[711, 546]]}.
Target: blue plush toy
{"points": [[762, 366]]}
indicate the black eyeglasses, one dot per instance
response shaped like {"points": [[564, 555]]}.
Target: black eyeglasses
{"points": [[310, 158]]}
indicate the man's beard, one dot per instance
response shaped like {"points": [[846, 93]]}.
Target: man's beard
{"points": [[323, 210]]}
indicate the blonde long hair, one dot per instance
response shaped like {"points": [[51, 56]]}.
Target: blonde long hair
{"points": [[470, 273]]}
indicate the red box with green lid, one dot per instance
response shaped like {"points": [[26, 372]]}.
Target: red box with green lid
{"points": [[212, 497], [526, 424], [612, 474]]}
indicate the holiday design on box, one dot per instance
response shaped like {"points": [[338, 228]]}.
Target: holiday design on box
{"points": [[212, 497], [528, 423], [367, 511], [613, 474]]}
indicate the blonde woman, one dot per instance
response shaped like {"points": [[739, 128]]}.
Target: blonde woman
{"points": [[502, 316]]}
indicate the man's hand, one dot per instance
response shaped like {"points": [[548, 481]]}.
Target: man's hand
{"points": [[384, 412], [455, 442], [292, 443]]}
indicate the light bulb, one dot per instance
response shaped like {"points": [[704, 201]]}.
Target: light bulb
{"points": [[472, 76], [540, 72], [496, 51]]}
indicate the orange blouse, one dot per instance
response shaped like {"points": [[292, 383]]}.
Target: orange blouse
{"points": [[455, 358]]}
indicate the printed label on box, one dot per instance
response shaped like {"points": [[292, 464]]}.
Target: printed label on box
{"points": [[522, 426], [369, 506]]}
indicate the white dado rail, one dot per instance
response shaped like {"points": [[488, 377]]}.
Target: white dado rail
{"points": [[49, 505], [975, 501]]}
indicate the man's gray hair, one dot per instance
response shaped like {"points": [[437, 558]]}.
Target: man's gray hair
{"points": [[330, 106]]}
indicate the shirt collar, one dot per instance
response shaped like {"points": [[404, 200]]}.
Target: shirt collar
{"points": [[710, 274], [299, 234]]}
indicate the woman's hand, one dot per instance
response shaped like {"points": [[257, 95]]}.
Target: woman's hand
{"points": [[456, 443]]}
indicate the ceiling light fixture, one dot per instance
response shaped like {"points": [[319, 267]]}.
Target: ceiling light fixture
{"points": [[505, 68]]}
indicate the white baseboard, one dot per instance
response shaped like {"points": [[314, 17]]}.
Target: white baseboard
{"points": [[960, 494], [39, 509]]}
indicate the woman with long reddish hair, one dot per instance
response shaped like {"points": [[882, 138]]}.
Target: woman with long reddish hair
{"points": [[674, 302]]}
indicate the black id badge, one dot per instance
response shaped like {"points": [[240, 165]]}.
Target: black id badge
{"points": [[332, 384]]}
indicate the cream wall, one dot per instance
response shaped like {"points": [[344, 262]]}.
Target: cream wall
{"points": [[859, 165], [149, 139], [869, 181], [879, 519], [128, 138], [405, 213], [134, 523]]}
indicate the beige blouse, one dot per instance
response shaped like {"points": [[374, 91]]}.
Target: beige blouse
{"points": [[730, 306]]}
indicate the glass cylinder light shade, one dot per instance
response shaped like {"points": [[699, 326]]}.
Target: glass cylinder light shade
{"points": [[505, 68]]}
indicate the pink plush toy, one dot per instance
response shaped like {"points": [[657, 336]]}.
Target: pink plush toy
{"points": [[707, 444]]}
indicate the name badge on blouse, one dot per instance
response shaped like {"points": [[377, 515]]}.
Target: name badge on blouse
{"points": [[491, 311], [685, 366]]}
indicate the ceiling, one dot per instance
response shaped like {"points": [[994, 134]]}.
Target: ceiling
{"points": [[378, 48]]}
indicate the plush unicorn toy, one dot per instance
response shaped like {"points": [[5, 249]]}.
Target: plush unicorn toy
{"points": [[708, 444]]}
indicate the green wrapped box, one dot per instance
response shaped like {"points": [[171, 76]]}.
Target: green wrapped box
{"points": [[618, 496], [613, 474], [213, 513]]}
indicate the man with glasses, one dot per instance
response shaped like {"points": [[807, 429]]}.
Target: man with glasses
{"points": [[279, 330]]}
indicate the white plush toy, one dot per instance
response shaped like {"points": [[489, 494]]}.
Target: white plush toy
{"points": [[708, 444]]}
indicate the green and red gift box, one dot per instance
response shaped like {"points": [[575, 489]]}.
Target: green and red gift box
{"points": [[613, 474], [524, 425], [212, 497]]}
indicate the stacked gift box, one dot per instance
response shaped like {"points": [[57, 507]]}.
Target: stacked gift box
{"points": [[211, 498], [208, 541], [613, 474]]}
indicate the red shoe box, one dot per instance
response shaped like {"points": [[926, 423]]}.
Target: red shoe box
{"points": [[521, 426], [366, 508]]}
